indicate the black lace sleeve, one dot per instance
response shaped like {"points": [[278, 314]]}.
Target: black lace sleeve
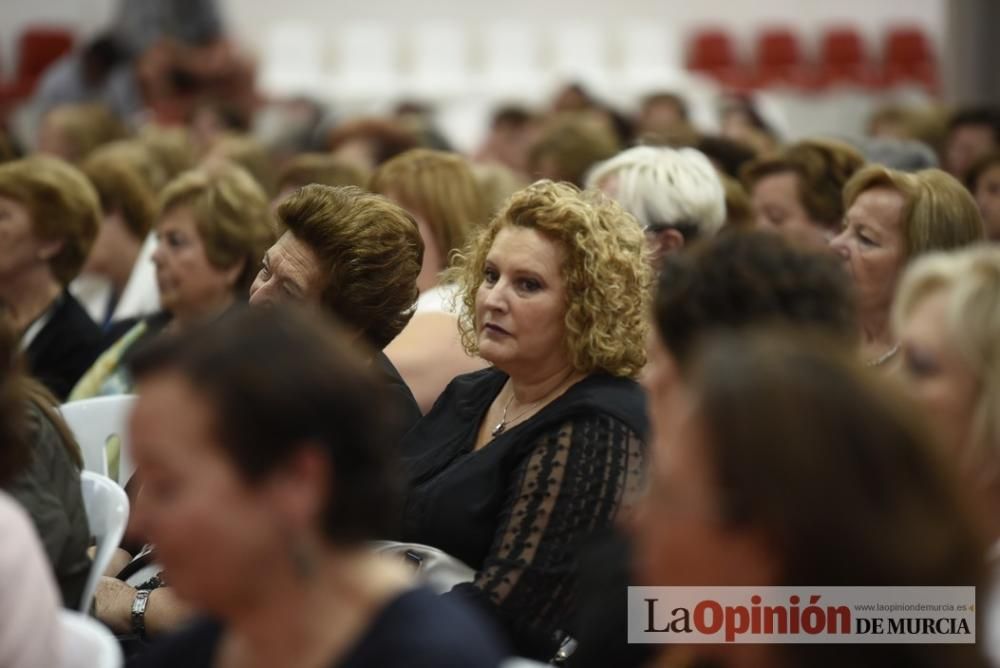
{"points": [[573, 482]]}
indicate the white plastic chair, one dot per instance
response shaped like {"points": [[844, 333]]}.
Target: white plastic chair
{"points": [[107, 513], [367, 60], [86, 643], [439, 59], [293, 59], [94, 422], [512, 59], [580, 53]]}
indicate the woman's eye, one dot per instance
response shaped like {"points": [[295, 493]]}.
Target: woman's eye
{"points": [[919, 364], [490, 275], [530, 285], [264, 272]]}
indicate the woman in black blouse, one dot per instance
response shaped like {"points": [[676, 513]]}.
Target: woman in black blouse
{"points": [[518, 465]]}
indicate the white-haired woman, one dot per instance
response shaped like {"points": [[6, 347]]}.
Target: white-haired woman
{"points": [[675, 194], [947, 318]]}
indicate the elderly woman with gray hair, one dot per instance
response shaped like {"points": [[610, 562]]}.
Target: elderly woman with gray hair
{"points": [[675, 194]]}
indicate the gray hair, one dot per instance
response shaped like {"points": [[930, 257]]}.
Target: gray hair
{"points": [[665, 186]]}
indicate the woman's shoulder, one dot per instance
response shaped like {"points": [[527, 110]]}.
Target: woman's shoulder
{"points": [[420, 628], [621, 399]]}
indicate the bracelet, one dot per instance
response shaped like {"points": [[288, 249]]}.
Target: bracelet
{"points": [[139, 612]]}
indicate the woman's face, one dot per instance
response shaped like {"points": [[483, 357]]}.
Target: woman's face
{"points": [[215, 534], [872, 246], [679, 536], [988, 198], [190, 285], [433, 262], [521, 303], [114, 251], [936, 375], [778, 208], [20, 249]]}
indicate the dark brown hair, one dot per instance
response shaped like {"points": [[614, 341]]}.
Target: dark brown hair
{"points": [[748, 278], [370, 250], [282, 379], [826, 461]]}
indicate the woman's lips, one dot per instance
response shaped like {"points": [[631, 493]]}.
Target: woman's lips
{"points": [[496, 329]]}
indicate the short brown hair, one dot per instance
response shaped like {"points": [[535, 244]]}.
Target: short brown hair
{"points": [[248, 153], [121, 189], [938, 212], [440, 188], [575, 142], [371, 250], [823, 168], [322, 168], [231, 213], [62, 203], [85, 127], [606, 271]]}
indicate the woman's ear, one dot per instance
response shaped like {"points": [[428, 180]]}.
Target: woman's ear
{"points": [[669, 240], [233, 273], [49, 249], [302, 487]]}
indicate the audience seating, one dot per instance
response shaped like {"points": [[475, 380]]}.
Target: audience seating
{"points": [[909, 58], [107, 513], [94, 422], [86, 643]]}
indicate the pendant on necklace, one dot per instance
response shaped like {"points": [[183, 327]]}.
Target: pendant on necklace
{"points": [[499, 429]]}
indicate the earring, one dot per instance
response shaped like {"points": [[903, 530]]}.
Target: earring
{"points": [[304, 557]]}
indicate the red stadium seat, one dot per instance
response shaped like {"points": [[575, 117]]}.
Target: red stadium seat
{"points": [[909, 58], [38, 47], [711, 52], [844, 58], [780, 61]]}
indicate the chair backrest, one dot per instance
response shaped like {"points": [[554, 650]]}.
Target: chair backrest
{"points": [[843, 47], [107, 513], [778, 47], [292, 58], [39, 47], [86, 643], [94, 422], [711, 49]]}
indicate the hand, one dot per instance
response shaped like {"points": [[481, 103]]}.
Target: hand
{"points": [[113, 604]]}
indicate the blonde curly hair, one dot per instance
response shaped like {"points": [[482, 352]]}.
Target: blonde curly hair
{"points": [[607, 273]]}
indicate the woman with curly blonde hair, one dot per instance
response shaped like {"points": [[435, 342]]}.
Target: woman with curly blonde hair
{"points": [[518, 464]]}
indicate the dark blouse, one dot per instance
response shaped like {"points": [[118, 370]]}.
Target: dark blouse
{"points": [[415, 630], [518, 509], [65, 347]]}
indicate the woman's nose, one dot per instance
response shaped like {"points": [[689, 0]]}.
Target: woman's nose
{"points": [[838, 245]]}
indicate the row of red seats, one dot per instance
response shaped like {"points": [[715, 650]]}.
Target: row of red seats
{"points": [[37, 48], [779, 60]]}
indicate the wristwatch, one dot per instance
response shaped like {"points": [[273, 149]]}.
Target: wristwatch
{"points": [[139, 612]]}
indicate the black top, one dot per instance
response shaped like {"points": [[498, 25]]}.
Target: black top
{"points": [[65, 347], [415, 630], [405, 409], [517, 509]]}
